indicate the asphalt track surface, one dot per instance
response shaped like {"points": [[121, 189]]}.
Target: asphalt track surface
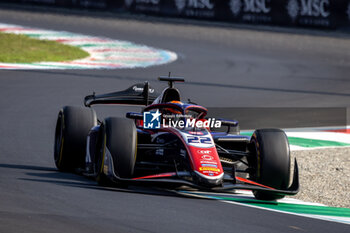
{"points": [[224, 67]]}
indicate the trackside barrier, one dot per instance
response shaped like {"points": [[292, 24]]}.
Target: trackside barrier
{"points": [[331, 14]]}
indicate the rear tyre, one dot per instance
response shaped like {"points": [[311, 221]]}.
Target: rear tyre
{"points": [[72, 127], [271, 161], [119, 140]]}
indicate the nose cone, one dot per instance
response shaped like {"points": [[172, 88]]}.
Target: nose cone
{"points": [[207, 180]]}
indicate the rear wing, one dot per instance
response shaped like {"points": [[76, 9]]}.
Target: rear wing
{"points": [[137, 94]]}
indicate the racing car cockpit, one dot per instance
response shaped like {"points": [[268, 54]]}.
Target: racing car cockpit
{"points": [[178, 114], [169, 105], [169, 94]]}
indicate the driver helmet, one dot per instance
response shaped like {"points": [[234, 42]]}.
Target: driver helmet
{"points": [[172, 110]]}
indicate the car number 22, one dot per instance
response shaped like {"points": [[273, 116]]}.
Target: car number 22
{"points": [[194, 139]]}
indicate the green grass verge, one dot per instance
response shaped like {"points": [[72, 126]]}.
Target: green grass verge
{"points": [[23, 49]]}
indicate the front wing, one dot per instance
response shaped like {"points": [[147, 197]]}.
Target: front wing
{"points": [[177, 178]]}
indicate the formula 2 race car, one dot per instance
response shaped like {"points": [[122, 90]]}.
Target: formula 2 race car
{"points": [[170, 143]]}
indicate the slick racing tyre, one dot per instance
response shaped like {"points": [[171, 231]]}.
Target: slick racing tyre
{"points": [[270, 161], [119, 142], [101, 178], [72, 128]]}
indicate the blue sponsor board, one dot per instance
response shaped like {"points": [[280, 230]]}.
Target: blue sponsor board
{"points": [[306, 13]]}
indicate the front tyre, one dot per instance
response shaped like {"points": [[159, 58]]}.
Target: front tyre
{"points": [[118, 141], [72, 128], [270, 161]]}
